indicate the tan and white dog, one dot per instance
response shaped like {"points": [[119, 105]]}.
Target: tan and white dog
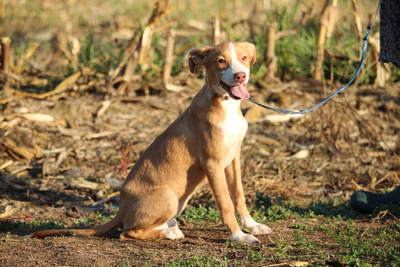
{"points": [[202, 144]]}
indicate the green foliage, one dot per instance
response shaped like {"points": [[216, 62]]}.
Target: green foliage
{"points": [[195, 260], [201, 214], [49, 224], [360, 244]]}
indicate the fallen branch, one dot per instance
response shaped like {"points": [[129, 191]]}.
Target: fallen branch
{"points": [[61, 87]]}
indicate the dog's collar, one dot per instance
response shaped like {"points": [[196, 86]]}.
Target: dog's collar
{"points": [[224, 97], [216, 95]]}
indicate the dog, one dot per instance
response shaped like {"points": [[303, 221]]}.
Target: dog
{"points": [[202, 144]]}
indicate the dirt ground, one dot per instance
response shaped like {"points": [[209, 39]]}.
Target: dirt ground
{"points": [[66, 168]]}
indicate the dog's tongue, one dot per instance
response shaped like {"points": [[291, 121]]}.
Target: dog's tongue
{"points": [[240, 91]]}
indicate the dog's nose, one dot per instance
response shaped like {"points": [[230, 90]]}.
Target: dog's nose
{"points": [[240, 77]]}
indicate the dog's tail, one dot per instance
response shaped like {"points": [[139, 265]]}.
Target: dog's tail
{"points": [[97, 231]]}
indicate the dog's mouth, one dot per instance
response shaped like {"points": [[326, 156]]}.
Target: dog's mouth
{"points": [[237, 91]]}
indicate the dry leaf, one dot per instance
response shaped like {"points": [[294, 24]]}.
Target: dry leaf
{"points": [[6, 164], [282, 117], [14, 146], [301, 154], [174, 88], [81, 183], [254, 114], [267, 140], [8, 211], [40, 117], [104, 106], [21, 110], [75, 133]]}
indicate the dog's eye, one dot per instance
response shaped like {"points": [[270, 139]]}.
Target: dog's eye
{"points": [[244, 58], [221, 61]]}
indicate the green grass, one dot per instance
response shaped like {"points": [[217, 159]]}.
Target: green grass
{"points": [[33, 224], [322, 228], [201, 213], [311, 236], [194, 261]]}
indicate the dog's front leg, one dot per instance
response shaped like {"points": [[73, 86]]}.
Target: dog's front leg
{"points": [[217, 180], [233, 177]]}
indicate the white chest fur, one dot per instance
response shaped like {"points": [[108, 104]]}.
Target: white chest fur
{"points": [[233, 129]]}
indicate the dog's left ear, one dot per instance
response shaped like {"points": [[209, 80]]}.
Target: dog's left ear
{"points": [[252, 52], [198, 56]]}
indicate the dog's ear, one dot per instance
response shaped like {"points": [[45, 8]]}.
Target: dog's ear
{"points": [[198, 56], [252, 52]]}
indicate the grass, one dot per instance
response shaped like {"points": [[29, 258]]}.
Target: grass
{"points": [[322, 229], [195, 261], [312, 235]]}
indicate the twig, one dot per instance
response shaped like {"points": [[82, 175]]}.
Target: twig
{"points": [[378, 217]]}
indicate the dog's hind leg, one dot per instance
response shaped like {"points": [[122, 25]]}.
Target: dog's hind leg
{"points": [[151, 216]]}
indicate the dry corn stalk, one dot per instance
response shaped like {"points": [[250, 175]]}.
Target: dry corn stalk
{"points": [[273, 36], [326, 25], [217, 30], [357, 19], [323, 22], [382, 73], [169, 51], [159, 12], [138, 53], [272, 60], [5, 53], [332, 17]]}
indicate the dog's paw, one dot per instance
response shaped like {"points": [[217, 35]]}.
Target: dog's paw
{"points": [[255, 227], [239, 236], [260, 229], [173, 233]]}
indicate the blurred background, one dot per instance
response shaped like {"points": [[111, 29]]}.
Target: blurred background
{"points": [[295, 39]]}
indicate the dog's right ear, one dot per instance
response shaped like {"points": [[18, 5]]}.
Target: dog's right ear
{"points": [[198, 56]]}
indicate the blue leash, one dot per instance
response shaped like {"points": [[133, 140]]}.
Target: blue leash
{"points": [[364, 52]]}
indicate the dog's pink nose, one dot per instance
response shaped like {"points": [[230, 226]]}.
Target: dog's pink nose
{"points": [[240, 77]]}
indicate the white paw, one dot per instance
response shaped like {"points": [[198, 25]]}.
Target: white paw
{"points": [[260, 229], [173, 232], [255, 227], [239, 236]]}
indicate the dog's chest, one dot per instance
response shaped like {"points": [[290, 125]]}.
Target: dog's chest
{"points": [[233, 128]]}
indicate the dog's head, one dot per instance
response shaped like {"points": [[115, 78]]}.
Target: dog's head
{"points": [[227, 67]]}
